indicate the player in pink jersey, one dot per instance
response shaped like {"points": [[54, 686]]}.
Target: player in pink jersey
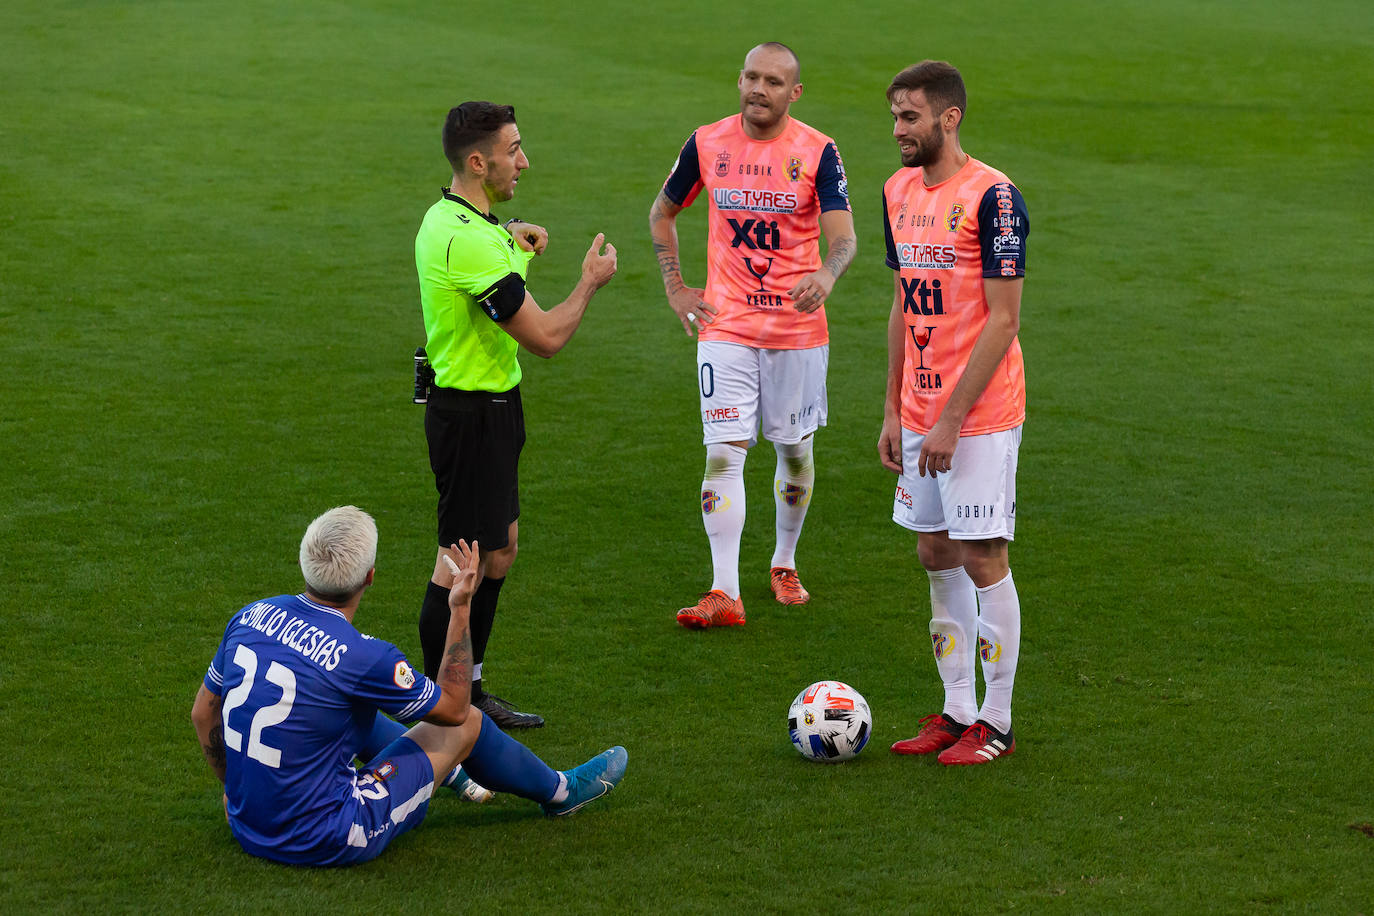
{"points": [[774, 185], [956, 400]]}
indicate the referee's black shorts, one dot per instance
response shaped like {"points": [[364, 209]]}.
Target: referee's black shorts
{"points": [[474, 440]]}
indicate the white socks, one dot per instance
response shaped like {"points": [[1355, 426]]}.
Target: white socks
{"points": [[999, 644], [722, 512], [959, 610], [954, 621], [792, 484]]}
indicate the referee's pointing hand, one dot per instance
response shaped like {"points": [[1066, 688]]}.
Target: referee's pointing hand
{"points": [[598, 267]]}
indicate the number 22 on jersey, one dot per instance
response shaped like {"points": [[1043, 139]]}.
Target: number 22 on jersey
{"points": [[266, 716]]}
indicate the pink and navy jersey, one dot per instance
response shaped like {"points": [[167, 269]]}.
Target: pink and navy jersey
{"points": [[763, 228], [301, 689], [943, 241]]}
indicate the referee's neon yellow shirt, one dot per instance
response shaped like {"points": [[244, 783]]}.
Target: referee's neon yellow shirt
{"points": [[460, 254]]}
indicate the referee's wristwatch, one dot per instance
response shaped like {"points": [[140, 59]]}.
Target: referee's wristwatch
{"points": [[511, 222]]}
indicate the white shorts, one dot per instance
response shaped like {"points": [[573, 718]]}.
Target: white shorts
{"points": [[742, 387], [974, 501]]}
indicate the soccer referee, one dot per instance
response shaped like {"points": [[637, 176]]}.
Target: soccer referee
{"points": [[478, 314]]}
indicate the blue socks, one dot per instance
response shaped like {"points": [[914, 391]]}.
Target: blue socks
{"points": [[497, 761], [503, 764]]}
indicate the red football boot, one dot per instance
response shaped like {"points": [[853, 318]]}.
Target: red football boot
{"points": [[937, 733], [715, 609], [980, 744]]}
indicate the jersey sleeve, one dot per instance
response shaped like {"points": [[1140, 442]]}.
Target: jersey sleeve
{"points": [[214, 675], [684, 181], [476, 268], [887, 237], [832, 187], [396, 688], [1003, 225]]}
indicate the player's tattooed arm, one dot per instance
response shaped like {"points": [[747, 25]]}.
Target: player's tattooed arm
{"points": [[455, 669], [208, 719], [685, 301], [811, 291], [455, 672], [669, 266], [663, 232], [842, 243], [841, 255]]}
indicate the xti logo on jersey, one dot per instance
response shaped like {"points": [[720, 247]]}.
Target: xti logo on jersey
{"points": [[755, 234], [922, 297]]}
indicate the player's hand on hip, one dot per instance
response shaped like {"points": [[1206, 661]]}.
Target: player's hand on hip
{"points": [[464, 573], [890, 445], [599, 266], [812, 290], [691, 309], [937, 451], [529, 236]]}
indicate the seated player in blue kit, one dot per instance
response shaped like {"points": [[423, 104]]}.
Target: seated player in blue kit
{"points": [[295, 693]]}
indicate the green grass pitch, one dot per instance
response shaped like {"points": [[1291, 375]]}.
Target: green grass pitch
{"points": [[207, 311]]}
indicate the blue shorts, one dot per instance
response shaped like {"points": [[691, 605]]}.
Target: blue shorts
{"points": [[390, 796]]}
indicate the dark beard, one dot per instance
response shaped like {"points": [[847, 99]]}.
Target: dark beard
{"points": [[927, 150]]}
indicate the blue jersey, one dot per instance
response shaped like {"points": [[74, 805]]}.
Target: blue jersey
{"points": [[301, 690]]}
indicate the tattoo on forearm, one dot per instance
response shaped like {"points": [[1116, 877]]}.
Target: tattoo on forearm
{"points": [[214, 750], [838, 257], [669, 266], [455, 674]]}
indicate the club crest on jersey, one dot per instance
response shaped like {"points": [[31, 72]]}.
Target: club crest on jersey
{"points": [[384, 772], [990, 651], [723, 163], [711, 501], [955, 217], [404, 676], [794, 169], [901, 216], [942, 643]]}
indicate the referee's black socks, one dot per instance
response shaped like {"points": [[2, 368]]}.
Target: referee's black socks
{"points": [[481, 619], [434, 616]]}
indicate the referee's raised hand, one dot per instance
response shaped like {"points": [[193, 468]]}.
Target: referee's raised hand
{"points": [[599, 266]]}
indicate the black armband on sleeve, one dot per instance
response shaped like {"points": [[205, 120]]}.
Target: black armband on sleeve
{"points": [[504, 299]]}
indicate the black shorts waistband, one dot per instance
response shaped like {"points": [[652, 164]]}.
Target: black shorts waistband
{"points": [[457, 397]]}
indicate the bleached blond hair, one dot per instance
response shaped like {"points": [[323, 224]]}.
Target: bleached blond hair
{"points": [[338, 551]]}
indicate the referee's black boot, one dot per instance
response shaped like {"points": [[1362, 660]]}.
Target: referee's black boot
{"points": [[505, 715]]}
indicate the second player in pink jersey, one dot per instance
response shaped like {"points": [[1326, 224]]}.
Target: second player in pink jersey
{"points": [[774, 185], [956, 400]]}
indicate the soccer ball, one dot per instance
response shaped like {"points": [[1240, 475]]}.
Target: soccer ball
{"points": [[830, 722]]}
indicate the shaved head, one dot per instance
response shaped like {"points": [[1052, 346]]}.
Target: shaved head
{"points": [[777, 47]]}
